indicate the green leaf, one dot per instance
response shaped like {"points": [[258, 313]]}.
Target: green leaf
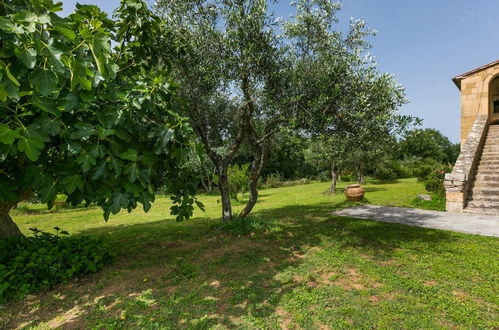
{"points": [[200, 205], [83, 131], [31, 146], [28, 57], [11, 77], [44, 81], [118, 200], [86, 161], [66, 32], [71, 102], [99, 172], [117, 166], [130, 154], [7, 135], [133, 172], [3, 93], [46, 105], [104, 132], [73, 182], [7, 25], [48, 193]]}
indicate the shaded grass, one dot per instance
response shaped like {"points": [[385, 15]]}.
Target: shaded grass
{"points": [[312, 270]]}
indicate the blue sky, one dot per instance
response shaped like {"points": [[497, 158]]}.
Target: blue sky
{"points": [[424, 43]]}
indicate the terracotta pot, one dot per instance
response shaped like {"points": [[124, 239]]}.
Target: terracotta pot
{"points": [[354, 193]]}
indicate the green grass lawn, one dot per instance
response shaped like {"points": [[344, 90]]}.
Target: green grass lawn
{"points": [[309, 270]]}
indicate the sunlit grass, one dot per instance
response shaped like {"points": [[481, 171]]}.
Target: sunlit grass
{"points": [[309, 270]]}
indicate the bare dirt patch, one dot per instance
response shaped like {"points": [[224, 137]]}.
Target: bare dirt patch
{"points": [[285, 318]]}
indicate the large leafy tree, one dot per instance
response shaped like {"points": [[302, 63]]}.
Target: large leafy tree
{"points": [[247, 76], [228, 52], [428, 143], [81, 119]]}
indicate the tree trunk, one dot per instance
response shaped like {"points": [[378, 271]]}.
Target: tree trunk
{"points": [[362, 178], [205, 186], [333, 178], [223, 185], [8, 228], [260, 156]]}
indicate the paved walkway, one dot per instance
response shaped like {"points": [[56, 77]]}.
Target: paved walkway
{"points": [[485, 225]]}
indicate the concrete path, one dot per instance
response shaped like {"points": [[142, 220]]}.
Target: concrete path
{"points": [[485, 225]]}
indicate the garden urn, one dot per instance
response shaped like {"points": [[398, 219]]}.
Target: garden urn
{"points": [[354, 193]]}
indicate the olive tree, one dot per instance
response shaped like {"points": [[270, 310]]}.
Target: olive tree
{"points": [[226, 51], [82, 119], [246, 75]]}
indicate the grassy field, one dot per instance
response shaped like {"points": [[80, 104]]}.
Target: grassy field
{"points": [[307, 270]]}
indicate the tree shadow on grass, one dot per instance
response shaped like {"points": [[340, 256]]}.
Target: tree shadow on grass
{"points": [[193, 275]]}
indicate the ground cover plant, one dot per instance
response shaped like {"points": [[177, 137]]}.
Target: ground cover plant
{"points": [[38, 262], [304, 269]]}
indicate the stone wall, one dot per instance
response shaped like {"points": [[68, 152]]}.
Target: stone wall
{"points": [[475, 98], [457, 183]]}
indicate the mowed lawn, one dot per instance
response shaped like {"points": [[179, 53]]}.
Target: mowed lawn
{"points": [[307, 270]]}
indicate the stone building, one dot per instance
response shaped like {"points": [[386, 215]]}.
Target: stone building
{"points": [[473, 185]]}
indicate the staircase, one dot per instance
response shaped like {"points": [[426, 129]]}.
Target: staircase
{"points": [[484, 192]]}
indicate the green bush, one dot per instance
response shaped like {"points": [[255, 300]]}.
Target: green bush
{"points": [[423, 171], [386, 174], [346, 178], [238, 179], [273, 180], [30, 264], [435, 182], [295, 182]]}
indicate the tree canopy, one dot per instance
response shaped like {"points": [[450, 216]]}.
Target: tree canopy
{"points": [[79, 118]]}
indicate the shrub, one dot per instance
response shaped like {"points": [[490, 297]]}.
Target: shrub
{"points": [[435, 182], [29, 264], [238, 179], [295, 182], [386, 173], [346, 178], [273, 180], [423, 171]]}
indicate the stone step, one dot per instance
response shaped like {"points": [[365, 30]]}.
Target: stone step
{"points": [[484, 200], [481, 183], [485, 171], [488, 154], [487, 177], [483, 204], [488, 168], [481, 210], [489, 191], [489, 162]]}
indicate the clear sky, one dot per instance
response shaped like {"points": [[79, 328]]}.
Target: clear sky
{"points": [[424, 43]]}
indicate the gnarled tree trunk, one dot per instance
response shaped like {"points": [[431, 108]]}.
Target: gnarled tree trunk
{"points": [[8, 228], [259, 158], [223, 186], [334, 176]]}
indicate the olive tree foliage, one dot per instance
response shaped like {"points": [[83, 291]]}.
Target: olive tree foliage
{"points": [[247, 75], [351, 108], [82, 119], [227, 51]]}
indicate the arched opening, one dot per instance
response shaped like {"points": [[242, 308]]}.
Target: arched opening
{"points": [[494, 100]]}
